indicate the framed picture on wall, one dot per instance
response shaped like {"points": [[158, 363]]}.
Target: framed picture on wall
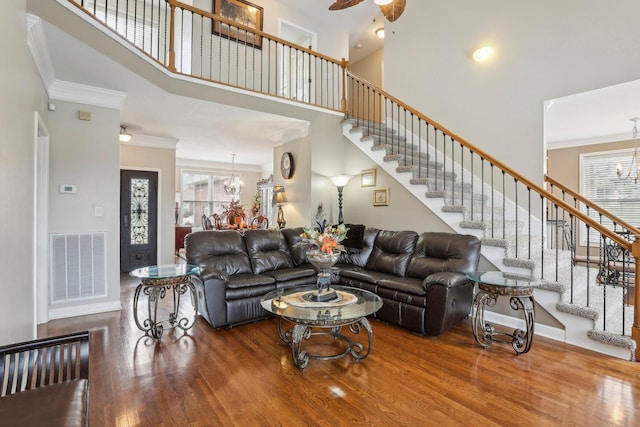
{"points": [[368, 178], [381, 197], [243, 13]]}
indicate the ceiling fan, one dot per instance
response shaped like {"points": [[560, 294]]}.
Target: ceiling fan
{"points": [[391, 9]]}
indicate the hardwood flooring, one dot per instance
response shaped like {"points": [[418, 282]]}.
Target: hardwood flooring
{"points": [[244, 376]]}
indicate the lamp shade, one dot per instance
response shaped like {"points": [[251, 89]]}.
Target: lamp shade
{"points": [[341, 180], [281, 197]]}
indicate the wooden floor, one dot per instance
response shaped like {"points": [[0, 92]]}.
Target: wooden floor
{"points": [[245, 377]]}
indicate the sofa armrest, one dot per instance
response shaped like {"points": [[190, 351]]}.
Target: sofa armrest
{"points": [[445, 278], [208, 273]]}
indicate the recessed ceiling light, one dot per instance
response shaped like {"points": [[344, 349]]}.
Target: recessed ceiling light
{"points": [[482, 54], [382, 2], [380, 33]]}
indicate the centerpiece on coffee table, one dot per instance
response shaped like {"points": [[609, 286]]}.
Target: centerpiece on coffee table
{"points": [[324, 251]]}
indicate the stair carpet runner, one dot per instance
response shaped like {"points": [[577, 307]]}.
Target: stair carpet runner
{"points": [[383, 138]]}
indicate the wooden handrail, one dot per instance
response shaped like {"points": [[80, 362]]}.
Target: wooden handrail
{"points": [[633, 230], [625, 244], [216, 17]]}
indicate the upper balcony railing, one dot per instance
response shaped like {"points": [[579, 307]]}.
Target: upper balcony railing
{"points": [[189, 41]]}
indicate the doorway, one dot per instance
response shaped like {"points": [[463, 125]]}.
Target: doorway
{"points": [[297, 73], [138, 219]]}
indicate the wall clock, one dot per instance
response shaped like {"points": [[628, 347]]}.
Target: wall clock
{"points": [[286, 165]]}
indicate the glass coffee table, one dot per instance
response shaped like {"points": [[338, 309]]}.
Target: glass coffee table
{"points": [[519, 289], [155, 281], [310, 318]]}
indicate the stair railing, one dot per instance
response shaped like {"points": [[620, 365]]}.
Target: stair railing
{"points": [[509, 207], [196, 43]]}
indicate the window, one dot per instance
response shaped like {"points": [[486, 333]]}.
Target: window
{"points": [[601, 185], [202, 194]]}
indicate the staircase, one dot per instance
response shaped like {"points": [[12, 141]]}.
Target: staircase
{"points": [[506, 240]]}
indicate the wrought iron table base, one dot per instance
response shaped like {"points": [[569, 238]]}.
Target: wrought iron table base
{"points": [[300, 331], [485, 333], [156, 289]]}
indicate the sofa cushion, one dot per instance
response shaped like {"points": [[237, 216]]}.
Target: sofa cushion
{"points": [[267, 250], [392, 251], [286, 274], [297, 245], [367, 275], [220, 250], [60, 404], [405, 284], [439, 251], [249, 280]]}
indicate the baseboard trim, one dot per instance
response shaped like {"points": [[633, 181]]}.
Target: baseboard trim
{"points": [[539, 329], [100, 307]]}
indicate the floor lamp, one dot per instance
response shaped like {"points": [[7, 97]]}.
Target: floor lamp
{"points": [[340, 181]]}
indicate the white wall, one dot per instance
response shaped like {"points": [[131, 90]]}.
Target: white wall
{"points": [[87, 154], [21, 95], [544, 49]]}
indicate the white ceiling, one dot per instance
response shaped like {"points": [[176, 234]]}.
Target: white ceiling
{"points": [[211, 132], [592, 117]]}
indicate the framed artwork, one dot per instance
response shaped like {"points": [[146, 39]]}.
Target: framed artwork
{"points": [[368, 178], [381, 197], [243, 13]]}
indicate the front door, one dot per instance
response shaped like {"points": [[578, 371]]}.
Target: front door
{"points": [[138, 219]]}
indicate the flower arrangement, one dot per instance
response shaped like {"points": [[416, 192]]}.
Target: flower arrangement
{"points": [[234, 213], [327, 238]]}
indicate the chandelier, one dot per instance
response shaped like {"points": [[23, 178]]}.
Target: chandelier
{"points": [[633, 174], [233, 186]]}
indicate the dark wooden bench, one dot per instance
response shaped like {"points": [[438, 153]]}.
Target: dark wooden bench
{"points": [[45, 382]]}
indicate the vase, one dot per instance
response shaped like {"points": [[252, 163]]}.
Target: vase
{"points": [[323, 262]]}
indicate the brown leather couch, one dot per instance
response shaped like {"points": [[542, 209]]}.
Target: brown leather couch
{"points": [[420, 278]]}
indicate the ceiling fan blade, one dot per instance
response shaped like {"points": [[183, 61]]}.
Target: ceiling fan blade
{"points": [[343, 4], [393, 10]]}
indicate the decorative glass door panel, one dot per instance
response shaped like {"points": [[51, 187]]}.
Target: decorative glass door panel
{"points": [[138, 219]]}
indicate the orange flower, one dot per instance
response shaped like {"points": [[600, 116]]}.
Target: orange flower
{"points": [[328, 243]]}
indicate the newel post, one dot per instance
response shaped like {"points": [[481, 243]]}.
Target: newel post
{"points": [[635, 329], [343, 65], [172, 27]]}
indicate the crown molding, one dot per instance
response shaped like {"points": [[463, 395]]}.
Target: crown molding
{"points": [[89, 95], [151, 141], [603, 139], [37, 44], [199, 164]]}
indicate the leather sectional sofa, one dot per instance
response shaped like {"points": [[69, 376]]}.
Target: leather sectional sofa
{"points": [[420, 278]]}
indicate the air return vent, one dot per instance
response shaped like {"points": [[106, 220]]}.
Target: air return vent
{"points": [[77, 266]]}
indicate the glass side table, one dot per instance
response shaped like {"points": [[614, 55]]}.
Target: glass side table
{"points": [[156, 280], [519, 289]]}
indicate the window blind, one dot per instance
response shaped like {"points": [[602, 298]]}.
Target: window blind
{"points": [[601, 184]]}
